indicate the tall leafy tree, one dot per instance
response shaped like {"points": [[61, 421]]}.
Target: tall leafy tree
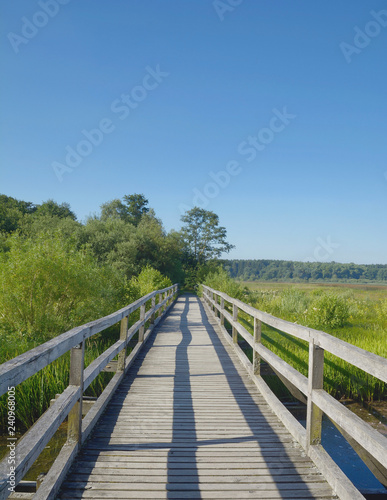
{"points": [[54, 209], [203, 236], [136, 207], [130, 210], [12, 212]]}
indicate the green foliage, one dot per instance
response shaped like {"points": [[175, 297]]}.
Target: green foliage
{"points": [[47, 286], [203, 236], [220, 280], [130, 211], [328, 310], [53, 209], [12, 212], [290, 271], [147, 281]]}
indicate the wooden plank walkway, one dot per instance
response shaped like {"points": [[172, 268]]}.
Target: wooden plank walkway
{"points": [[188, 423]]}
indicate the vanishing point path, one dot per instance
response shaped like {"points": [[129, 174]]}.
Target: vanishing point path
{"points": [[188, 423]]}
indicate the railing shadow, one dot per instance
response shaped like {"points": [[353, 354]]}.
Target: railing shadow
{"points": [[183, 466], [268, 442]]}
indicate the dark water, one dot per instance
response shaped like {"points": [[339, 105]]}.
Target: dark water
{"points": [[345, 456], [46, 458]]}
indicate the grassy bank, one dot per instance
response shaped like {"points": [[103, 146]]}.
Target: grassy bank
{"points": [[356, 314]]}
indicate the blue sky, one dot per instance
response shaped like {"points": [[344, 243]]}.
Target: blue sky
{"points": [[272, 114]]}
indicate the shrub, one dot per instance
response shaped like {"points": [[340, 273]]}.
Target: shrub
{"points": [[220, 280], [328, 310], [147, 281], [48, 286]]}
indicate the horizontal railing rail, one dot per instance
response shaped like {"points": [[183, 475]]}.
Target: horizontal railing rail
{"points": [[69, 403], [370, 445]]}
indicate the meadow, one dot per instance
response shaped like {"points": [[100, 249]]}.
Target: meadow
{"points": [[356, 314]]}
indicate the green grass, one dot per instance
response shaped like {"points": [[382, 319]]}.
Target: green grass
{"points": [[364, 325], [33, 396]]}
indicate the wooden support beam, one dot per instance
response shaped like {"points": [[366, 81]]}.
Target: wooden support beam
{"points": [[257, 338], [123, 336], [152, 319], [222, 311], [235, 318], [77, 362], [315, 381], [142, 327]]}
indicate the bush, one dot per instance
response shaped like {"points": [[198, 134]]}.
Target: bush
{"points": [[48, 286], [147, 281], [221, 281], [328, 310], [293, 302]]}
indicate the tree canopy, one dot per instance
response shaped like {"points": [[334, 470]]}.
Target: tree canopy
{"points": [[203, 236], [130, 210]]}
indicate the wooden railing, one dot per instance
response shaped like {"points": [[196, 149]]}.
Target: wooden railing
{"points": [[69, 403], [370, 445]]}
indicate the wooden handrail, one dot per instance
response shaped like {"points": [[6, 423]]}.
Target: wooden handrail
{"points": [[370, 445], [69, 403]]}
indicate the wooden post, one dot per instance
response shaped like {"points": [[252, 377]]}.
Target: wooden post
{"points": [[221, 312], [160, 300], [77, 359], [152, 318], [142, 327], [315, 381], [257, 338], [123, 336], [235, 318]]}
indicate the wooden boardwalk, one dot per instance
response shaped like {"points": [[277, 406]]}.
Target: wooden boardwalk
{"points": [[188, 423]]}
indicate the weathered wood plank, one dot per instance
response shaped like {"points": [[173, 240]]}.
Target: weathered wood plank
{"points": [[34, 441], [17, 370], [371, 363], [174, 431]]}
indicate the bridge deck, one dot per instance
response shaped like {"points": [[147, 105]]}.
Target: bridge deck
{"points": [[188, 423]]}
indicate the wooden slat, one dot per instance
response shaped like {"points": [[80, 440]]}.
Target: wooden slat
{"points": [[18, 369], [370, 439], [371, 363], [187, 422], [34, 441]]}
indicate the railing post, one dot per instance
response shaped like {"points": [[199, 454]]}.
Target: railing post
{"points": [[142, 327], [160, 300], [152, 318], [222, 311], [217, 313], [257, 338], [123, 336], [315, 381], [77, 361], [235, 318]]}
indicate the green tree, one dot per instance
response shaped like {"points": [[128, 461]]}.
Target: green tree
{"points": [[130, 210], [12, 212], [136, 207], [48, 286], [203, 236], [53, 209]]}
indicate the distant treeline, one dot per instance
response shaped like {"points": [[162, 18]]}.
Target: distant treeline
{"points": [[287, 270]]}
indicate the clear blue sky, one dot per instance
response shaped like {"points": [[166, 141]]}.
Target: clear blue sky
{"points": [[290, 97]]}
